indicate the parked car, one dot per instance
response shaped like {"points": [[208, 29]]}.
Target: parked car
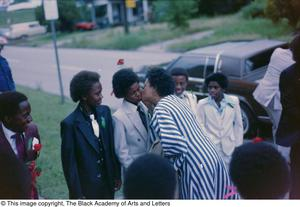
{"points": [[244, 62], [85, 26], [23, 30]]}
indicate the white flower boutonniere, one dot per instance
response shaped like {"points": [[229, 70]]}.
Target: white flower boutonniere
{"points": [[34, 142]]}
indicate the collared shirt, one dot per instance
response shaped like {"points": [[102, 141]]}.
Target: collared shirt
{"points": [[12, 141], [225, 102], [223, 124]]}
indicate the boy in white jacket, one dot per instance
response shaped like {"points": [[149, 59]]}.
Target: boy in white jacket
{"points": [[220, 115]]}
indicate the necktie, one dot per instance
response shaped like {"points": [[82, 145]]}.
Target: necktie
{"points": [[20, 145], [95, 125], [142, 116]]}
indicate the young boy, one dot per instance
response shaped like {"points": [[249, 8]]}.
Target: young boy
{"points": [[181, 77], [220, 115]]}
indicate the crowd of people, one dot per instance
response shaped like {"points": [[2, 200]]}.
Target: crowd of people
{"points": [[161, 143]]}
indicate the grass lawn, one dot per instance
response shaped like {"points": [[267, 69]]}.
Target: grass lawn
{"points": [[47, 112], [234, 27], [139, 35]]}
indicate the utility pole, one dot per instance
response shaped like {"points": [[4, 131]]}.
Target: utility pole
{"points": [[124, 16], [93, 12]]}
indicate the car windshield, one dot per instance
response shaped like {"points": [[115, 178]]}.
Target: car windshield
{"points": [[196, 66]]}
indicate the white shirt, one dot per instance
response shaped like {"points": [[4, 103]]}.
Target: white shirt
{"points": [[268, 87], [12, 141], [223, 124]]}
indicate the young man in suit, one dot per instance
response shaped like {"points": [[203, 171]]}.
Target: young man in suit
{"points": [[87, 149], [17, 129], [181, 79], [288, 132], [130, 121], [221, 116]]}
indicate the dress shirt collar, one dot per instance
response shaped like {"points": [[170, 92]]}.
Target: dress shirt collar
{"points": [[130, 105], [7, 132], [223, 104]]}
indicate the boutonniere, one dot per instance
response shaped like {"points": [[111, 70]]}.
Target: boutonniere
{"points": [[103, 124], [34, 145]]}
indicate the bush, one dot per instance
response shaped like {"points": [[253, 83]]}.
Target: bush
{"points": [[176, 13], [284, 9], [214, 7], [255, 9], [68, 15]]}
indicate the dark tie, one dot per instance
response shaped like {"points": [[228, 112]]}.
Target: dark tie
{"points": [[142, 116], [20, 145]]}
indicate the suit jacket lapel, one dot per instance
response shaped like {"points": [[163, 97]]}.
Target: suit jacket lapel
{"points": [[135, 119], [4, 144], [85, 128], [102, 126]]}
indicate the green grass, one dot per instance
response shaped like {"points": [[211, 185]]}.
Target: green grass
{"points": [[47, 112], [234, 27], [229, 27], [139, 35]]}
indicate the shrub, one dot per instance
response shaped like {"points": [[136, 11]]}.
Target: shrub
{"points": [[284, 9], [255, 9]]}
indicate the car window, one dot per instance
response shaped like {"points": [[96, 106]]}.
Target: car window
{"points": [[196, 66], [230, 66], [259, 60]]}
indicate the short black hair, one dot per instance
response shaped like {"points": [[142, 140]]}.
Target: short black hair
{"points": [[15, 180], [150, 177], [220, 78], [180, 71], [259, 171], [82, 83], [9, 103], [161, 81], [122, 81], [295, 48]]}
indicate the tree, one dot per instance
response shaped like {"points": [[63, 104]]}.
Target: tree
{"points": [[213, 7], [68, 15], [279, 9], [176, 12]]}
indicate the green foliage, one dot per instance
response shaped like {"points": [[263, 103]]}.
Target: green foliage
{"points": [[232, 27], [284, 9], [255, 9], [69, 14], [175, 12]]}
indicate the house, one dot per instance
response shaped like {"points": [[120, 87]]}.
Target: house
{"points": [[110, 11]]}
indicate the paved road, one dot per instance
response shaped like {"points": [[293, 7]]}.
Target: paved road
{"points": [[36, 67]]}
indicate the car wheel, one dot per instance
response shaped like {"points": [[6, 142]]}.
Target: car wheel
{"points": [[248, 122]]}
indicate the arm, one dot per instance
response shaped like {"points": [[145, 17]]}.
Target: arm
{"points": [[121, 147], [115, 162], [174, 144], [287, 91], [11, 78], [69, 162]]}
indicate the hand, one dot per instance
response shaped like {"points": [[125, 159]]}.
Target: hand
{"points": [[118, 184]]}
